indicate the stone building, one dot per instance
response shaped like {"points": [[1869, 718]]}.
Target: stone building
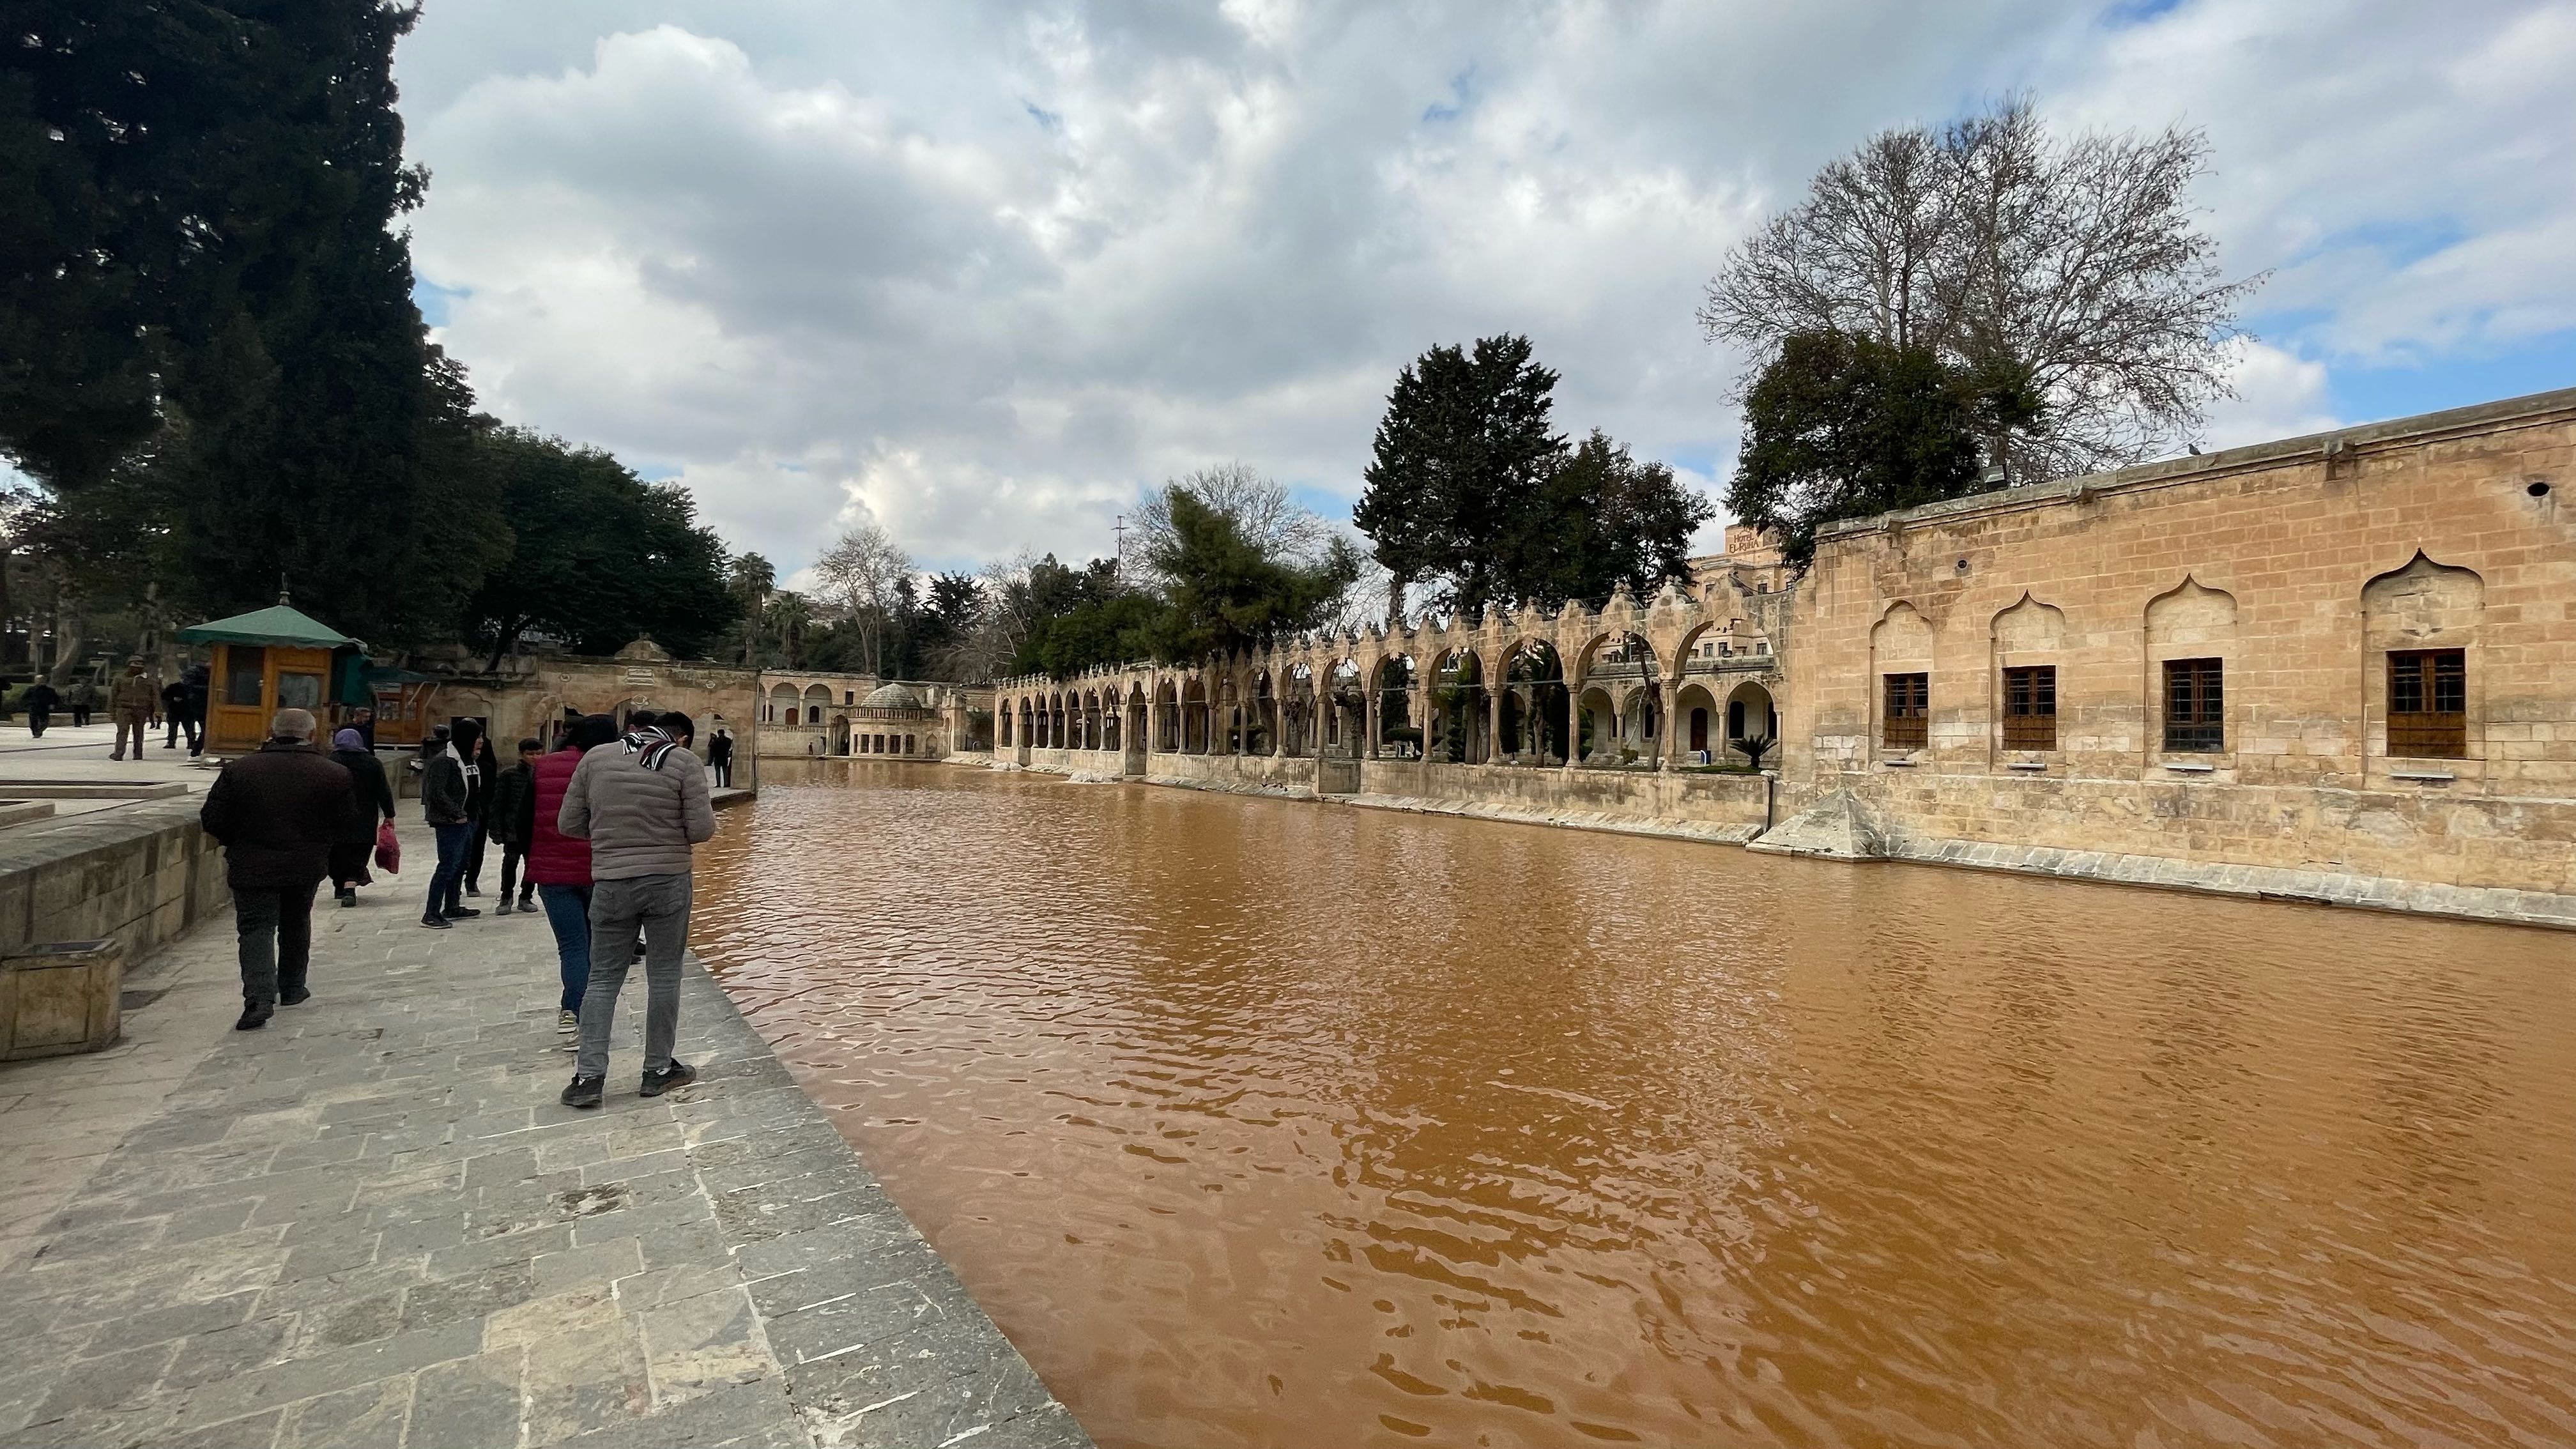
{"points": [[2353, 653], [643, 675], [2339, 667], [824, 714]]}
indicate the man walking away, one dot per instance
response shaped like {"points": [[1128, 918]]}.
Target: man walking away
{"points": [[720, 757], [642, 803], [276, 812], [135, 699], [82, 697], [174, 713], [41, 700], [374, 802], [200, 680], [449, 790], [508, 819]]}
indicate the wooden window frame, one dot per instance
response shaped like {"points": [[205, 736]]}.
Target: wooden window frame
{"points": [[2195, 706], [2436, 683], [1905, 702], [2030, 707]]}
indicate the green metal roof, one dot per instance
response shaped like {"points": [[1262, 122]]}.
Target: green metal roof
{"points": [[277, 624]]}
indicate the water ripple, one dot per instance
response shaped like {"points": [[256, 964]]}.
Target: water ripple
{"points": [[1261, 1123]]}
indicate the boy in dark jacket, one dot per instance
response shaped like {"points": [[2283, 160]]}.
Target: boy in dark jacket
{"points": [[276, 813], [510, 818]]}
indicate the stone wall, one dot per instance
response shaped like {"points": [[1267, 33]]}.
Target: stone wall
{"points": [[1737, 804], [2298, 566], [141, 874], [524, 705], [1264, 774]]}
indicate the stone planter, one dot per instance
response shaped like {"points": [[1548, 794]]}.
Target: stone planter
{"points": [[60, 998]]}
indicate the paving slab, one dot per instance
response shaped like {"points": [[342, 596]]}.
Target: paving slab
{"points": [[372, 1223]]}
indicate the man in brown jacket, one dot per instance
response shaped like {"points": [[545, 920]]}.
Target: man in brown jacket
{"points": [[135, 700], [277, 812]]}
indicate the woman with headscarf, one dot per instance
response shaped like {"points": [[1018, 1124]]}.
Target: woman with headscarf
{"points": [[375, 802], [560, 865]]}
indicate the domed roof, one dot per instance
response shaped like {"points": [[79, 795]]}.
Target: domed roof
{"points": [[891, 696]]}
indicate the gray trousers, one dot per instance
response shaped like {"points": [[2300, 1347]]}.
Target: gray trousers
{"points": [[660, 905]]}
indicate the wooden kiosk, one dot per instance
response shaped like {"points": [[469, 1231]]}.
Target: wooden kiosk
{"points": [[264, 661]]}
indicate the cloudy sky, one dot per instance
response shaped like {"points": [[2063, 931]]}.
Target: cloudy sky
{"points": [[985, 271]]}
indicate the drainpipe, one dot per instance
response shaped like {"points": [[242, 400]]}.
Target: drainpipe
{"points": [[1770, 791]]}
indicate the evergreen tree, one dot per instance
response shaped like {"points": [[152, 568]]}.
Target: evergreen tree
{"points": [[1845, 426], [1454, 476], [1228, 592], [598, 555], [1605, 520], [224, 190]]}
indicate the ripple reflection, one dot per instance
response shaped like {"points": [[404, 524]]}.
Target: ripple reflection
{"points": [[1258, 1123]]}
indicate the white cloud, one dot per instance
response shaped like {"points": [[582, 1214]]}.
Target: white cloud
{"points": [[985, 270], [2278, 395]]}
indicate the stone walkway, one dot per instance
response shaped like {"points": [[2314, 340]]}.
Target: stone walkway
{"points": [[372, 1224]]}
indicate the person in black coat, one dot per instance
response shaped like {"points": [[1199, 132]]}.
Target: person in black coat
{"points": [[374, 803], [277, 811], [41, 700], [478, 809], [508, 818], [720, 757]]}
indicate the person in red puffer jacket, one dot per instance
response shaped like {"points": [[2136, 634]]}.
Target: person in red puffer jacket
{"points": [[560, 865]]}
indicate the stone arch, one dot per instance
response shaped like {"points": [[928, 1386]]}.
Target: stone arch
{"points": [[2423, 620], [2190, 621], [1167, 717], [1345, 706], [1391, 694], [1194, 716], [816, 700], [1900, 643], [1751, 714], [1618, 702], [1461, 723], [2025, 708], [1536, 709], [779, 706]]}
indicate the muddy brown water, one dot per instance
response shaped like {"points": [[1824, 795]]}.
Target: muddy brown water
{"points": [[1257, 1122]]}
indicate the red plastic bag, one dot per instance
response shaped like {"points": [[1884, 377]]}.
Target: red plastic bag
{"points": [[388, 849]]}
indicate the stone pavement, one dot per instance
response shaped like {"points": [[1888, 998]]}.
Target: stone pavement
{"points": [[372, 1224]]}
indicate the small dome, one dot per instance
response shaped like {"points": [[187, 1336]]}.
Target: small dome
{"points": [[891, 696]]}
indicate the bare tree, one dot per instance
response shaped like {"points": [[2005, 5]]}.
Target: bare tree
{"points": [[2074, 265], [1259, 505], [857, 578]]}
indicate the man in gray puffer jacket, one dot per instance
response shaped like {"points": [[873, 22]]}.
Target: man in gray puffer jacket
{"points": [[641, 802]]}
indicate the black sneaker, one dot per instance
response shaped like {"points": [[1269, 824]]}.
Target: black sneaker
{"points": [[297, 997], [461, 913], [583, 1092], [254, 1015], [349, 897], [677, 1074], [435, 924]]}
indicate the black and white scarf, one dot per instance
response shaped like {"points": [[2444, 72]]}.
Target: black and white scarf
{"points": [[652, 744]]}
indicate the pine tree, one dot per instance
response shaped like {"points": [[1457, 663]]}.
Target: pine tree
{"points": [[1454, 478]]}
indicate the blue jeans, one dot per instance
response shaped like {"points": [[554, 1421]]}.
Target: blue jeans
{"points": [[447, 883], [568, 912]]}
